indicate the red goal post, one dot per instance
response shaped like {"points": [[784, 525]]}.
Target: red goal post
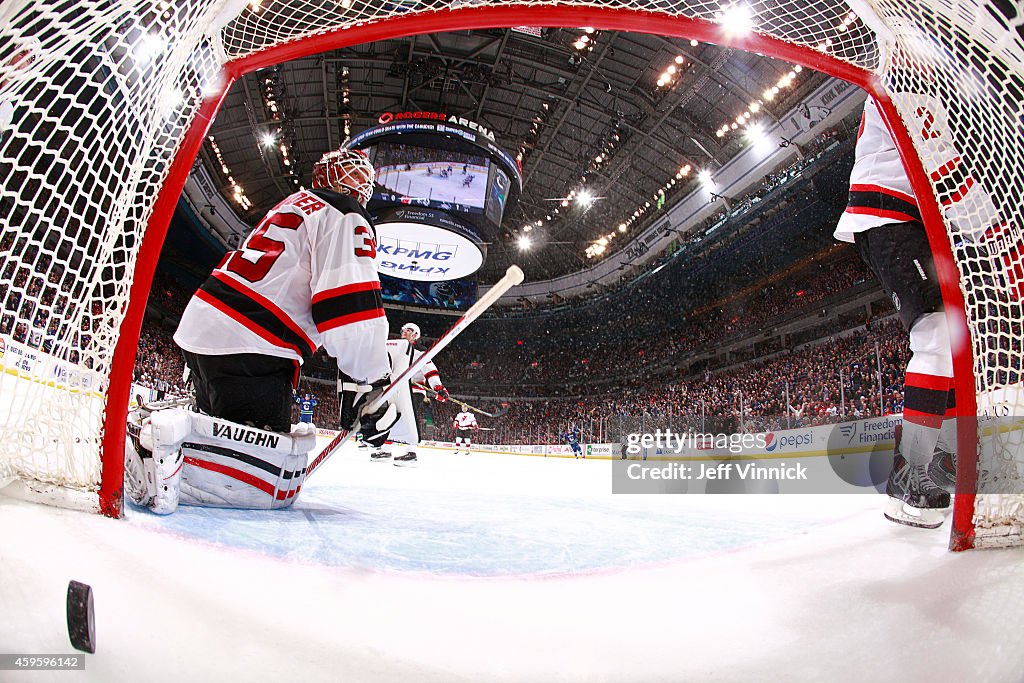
{"points": [[109, 114]]}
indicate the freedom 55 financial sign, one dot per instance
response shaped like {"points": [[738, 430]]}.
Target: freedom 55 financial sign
{"points": [[426, 245]]}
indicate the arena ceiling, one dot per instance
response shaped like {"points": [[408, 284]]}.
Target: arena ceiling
{"points": [[602, 100]]}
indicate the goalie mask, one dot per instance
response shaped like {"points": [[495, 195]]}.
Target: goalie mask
{"points": [[348, 171]]}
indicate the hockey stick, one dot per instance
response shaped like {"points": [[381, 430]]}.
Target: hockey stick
{"points": [[176, 402], [513, 276], [465, 405]]}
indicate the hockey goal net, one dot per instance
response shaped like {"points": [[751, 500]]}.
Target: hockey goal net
{"points": [[105, 103]]}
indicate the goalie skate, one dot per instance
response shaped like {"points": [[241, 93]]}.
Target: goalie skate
{"points": [[914, 499], [405, 460], [942, 470]]}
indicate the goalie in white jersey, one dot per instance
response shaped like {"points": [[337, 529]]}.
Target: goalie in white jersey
{"points": [[464, 424], [400, 447], [304, 278], [883, 220]]}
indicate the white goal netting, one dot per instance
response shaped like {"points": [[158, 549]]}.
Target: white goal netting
{"points": [[103, 104]]}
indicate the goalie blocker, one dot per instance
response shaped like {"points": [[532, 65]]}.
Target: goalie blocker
{"points": [[179, 457]]}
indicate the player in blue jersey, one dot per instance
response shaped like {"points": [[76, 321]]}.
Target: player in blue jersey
{"points": [[572, 437], [306, 405]]}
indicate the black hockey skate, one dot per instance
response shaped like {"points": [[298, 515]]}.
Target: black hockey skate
{"points": [[914, 499], [942, 470], [379, 456], [405, 459]]}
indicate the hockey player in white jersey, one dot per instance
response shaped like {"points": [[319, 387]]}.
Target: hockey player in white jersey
{"points": [[464, 424], [304, 278], [883, 220], [400, 447]]}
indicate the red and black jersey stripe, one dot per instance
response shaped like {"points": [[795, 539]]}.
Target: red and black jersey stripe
{"points": [[875, 200], [256, 313], [345, 305], [926, 398]]}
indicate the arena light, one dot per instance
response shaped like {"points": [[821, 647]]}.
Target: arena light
{"points": [[524, 243], [585, 42], [584, 198], [269, 139], [705, 177], [237, 192], [785, 81], [671, 72], [754, 133], [737, 21], [151, 46]]}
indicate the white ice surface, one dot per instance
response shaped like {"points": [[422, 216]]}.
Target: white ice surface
{"points": [[418, 185], [504, 568]]}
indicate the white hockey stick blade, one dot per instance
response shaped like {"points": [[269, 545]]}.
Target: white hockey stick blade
{"points": [[513, 276]]}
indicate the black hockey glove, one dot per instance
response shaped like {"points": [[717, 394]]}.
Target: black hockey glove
{"points": [[375, 427], [355, 398]]}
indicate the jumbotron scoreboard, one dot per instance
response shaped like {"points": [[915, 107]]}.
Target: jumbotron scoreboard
{"points": [[442, 189]]}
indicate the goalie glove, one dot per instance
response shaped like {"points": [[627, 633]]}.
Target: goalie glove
{"points": [[355, 398], [441, 394]]}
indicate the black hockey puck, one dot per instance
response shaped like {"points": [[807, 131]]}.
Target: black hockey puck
{"points": [[81, 622]]}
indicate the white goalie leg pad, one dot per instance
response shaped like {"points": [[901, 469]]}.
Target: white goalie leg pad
{"points": [[135, 480], [231, 465], [156, 465], [405, 430]]}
